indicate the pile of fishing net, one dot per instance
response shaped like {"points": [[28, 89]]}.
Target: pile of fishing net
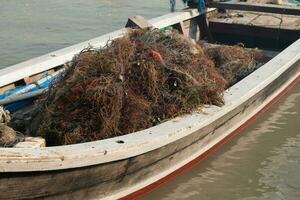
{"points": [[133, 83], [234, 62]]}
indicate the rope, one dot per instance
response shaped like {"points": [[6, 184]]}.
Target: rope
{"points": [[4, 115]]}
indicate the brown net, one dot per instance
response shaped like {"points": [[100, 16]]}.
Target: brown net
{"points": [[8, 136], [234, 62], [133, 83]]}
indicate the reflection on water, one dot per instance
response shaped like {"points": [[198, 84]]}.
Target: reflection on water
{"points": [[262, 163]]}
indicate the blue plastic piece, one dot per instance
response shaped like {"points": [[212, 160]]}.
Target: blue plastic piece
{"points": [[18, 105], [21, 104]]}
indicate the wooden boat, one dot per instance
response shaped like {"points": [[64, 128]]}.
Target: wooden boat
{"points": [[129, 165]]}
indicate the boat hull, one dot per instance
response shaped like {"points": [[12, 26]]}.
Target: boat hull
{"points": [[108, 170], [137, 174]]}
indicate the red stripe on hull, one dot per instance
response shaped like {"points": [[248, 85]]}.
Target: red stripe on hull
{"points": [[191, 164]]}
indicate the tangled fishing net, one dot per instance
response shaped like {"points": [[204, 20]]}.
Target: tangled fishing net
{"points": [[234, 62], [133, 83]]}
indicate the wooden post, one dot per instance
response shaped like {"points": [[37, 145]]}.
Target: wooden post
{"points": [[180, 27], [138, 22]]}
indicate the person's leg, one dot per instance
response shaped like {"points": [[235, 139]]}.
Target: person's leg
{"points": [[192, 4], [172, 5], [201, 20]]}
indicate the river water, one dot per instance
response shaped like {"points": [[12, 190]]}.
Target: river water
{"points": [[29, 28], [261, 163]]}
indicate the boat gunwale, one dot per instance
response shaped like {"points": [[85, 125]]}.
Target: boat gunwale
{"points": [[130, 145], [109, 150]]}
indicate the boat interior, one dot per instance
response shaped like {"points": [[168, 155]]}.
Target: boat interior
{"points": [[244, 28]]}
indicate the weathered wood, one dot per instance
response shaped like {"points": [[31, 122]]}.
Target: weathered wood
{"points": [[31, 142], [92, 153], [258, 31], [116, 179], [192, 29], [109, 170], [181, 28], [7, 88], [257, 35], [275, 21], [257, 28], [266, 8], [137, 22], [38, 76]]}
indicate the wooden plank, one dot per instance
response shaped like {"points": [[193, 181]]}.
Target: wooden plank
{"points": [[267, 8], [274, 33], [138, 22], [181, 28], [109, 150], [192, 29], [38, 76], [7, 88], [257, 29], [261, 19], [117, 179], [32, 142]]}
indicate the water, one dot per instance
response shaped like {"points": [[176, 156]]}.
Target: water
{"points": [[31, 28], [297, 2], [262, 163]]}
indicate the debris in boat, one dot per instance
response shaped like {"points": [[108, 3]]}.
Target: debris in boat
{"points": [[4, 115], [31, 142], [135, 82], [234, 62], [22, 119], [8, 136]]}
